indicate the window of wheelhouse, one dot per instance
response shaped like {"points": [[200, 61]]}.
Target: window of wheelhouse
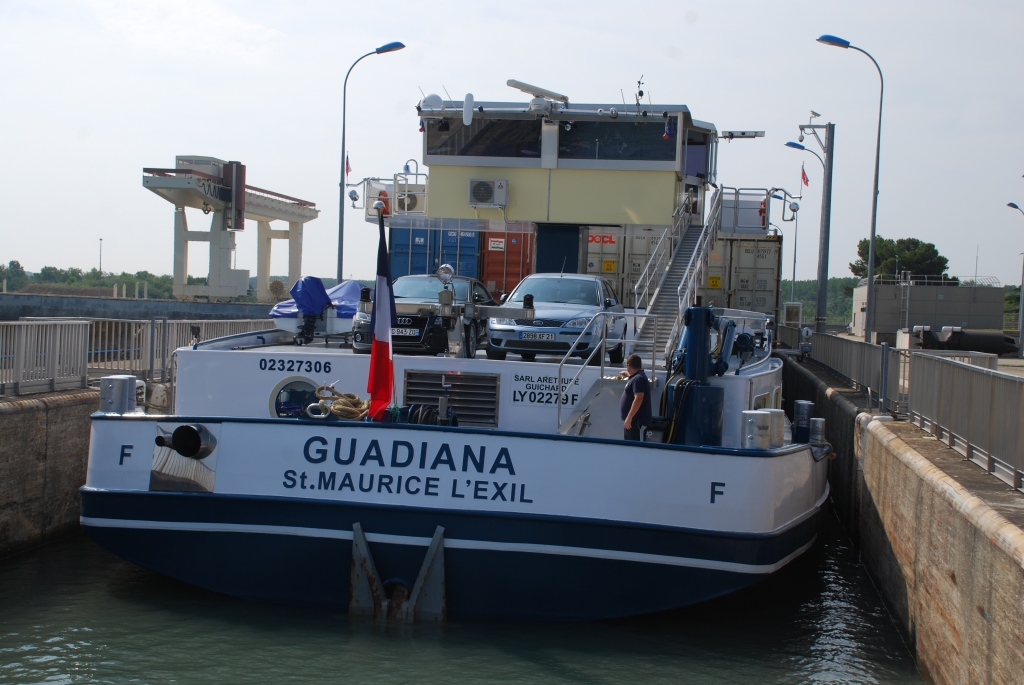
{"points": [[484, 137], [651, 140]]}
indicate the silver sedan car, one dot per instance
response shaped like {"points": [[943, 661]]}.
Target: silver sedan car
{"points": [[563, 304]]}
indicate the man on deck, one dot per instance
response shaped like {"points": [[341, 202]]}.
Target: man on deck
{"points": [[635, 403]]}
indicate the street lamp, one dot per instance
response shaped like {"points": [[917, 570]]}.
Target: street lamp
{"points": [[389, 47], [793, 208], [1020, 313], [798, 146], [837, 42], [828, 147]]}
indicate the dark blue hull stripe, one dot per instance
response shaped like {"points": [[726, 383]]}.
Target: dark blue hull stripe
{"points": [[296, 551], [414, 526], [449, 543]]}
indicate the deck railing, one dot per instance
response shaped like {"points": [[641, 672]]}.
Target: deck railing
{"points": [[37, 356], [978, 412]]}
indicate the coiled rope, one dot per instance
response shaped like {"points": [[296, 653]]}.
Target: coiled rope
{"points": [[342, 405]]}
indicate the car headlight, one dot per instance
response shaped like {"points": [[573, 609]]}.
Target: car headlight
{"points": [[577, 323], [498, 321], [361, 316]]}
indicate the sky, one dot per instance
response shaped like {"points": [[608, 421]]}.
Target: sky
{"points": [[95, 90]]}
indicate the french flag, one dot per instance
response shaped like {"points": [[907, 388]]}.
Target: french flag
{"points": [[380, 384]]}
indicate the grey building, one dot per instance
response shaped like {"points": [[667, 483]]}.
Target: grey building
{"points": [[929, 301]]}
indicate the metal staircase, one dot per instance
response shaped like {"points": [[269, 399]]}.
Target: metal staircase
{"points": [[664, 303], [682, 276]]}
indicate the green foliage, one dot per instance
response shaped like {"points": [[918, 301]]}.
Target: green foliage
{"points": [[905, 254], [840, 298], [1011, 299], [160, 287], [14, 274]]}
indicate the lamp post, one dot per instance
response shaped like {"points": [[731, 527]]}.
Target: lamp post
{"points": [[101, 257], [837, 42], [828, 147], [796, 235], [389, 47], [1020, 313]]}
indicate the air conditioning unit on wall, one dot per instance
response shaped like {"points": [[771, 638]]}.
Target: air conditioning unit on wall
{"points": [[485, 193]]}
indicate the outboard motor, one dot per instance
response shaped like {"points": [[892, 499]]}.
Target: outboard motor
{"points": [[312, 299]]}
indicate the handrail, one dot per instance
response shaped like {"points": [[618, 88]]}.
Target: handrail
{"points": [[681, 218], [687, 289], [599, 347], [649, 268]]}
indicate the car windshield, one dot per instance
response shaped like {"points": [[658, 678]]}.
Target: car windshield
{"points": [[558, 290], [426, 288]]}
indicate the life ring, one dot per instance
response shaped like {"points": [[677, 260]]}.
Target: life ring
{"points": [[383, 197]]}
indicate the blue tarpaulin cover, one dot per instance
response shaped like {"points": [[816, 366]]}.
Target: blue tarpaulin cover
{"points": [[312, 298]]}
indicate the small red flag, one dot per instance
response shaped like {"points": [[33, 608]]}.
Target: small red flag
{"points": [[348, 167], [803, 176]]}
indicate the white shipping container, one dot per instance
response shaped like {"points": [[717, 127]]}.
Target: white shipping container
{"points": [[620, 253], [743, 273]]}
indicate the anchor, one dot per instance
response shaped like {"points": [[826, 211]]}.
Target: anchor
{"points": [[426, 602]]}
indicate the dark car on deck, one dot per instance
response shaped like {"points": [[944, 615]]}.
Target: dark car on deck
{"points": [[423, 332]]}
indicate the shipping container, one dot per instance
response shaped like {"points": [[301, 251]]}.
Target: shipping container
{"points": [[743, 273], [506, 256], [419, 245], [620, 253], [460, 248]]}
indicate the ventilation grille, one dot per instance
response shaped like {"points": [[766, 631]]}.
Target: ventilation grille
{"points": [[473, 395]]}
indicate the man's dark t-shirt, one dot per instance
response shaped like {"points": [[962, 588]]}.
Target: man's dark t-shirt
{"points": [[637, 384]]}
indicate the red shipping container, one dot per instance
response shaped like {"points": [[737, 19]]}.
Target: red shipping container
{"points": [[505, 259]]}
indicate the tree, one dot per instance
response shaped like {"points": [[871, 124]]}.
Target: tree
{"points": [[905, 254]]}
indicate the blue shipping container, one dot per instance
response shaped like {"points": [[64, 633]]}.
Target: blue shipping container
{"points": [[461, 249], [421, 251]]}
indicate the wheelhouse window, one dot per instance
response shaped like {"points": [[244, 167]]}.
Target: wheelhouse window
{"points": [[649, 141], [484, 138]]}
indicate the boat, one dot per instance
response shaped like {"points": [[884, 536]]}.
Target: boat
{"points": [[496, 489]]}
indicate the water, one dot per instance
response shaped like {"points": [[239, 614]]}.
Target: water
{"points": [[70, 612]]}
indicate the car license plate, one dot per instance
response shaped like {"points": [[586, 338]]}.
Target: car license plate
{"points": [[536, 336], [405, 332]]}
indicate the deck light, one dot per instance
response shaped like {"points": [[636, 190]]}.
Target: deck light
{"points": [[834, 41], [1013, 205], [798, 146]]}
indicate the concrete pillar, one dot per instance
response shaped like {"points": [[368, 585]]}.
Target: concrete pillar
{"points": [[263, 250], [145, 290], [136, 290], [180, 253], [294, 252]]}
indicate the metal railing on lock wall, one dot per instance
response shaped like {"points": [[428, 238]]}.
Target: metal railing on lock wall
{"points": [[37, 356], [789, 336], [143, 347], [978, 412], [883, 372], [958, 396]]}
